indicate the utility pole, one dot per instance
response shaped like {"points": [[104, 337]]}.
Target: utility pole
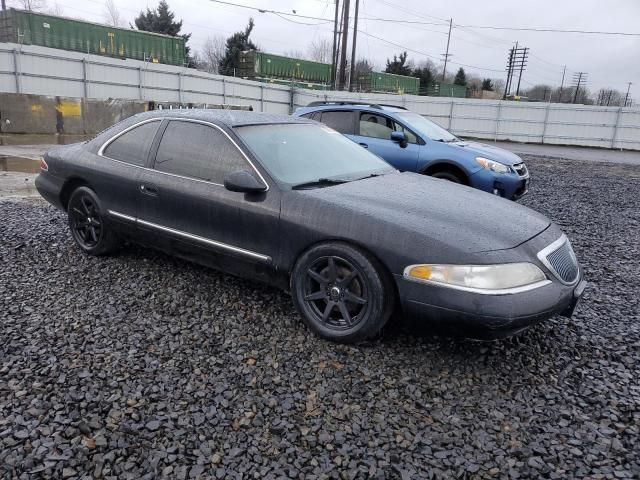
{"points": [[353, 48], [579, 79], [4, 5], [562, 84], [446, 55], [343, 53], [335, 46], [507, 87], [523, 61], [626, 98]]}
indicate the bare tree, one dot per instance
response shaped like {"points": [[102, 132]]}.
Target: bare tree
{"points": [[212, 53], [112, 14], [33, 5], [56, 10], [320, 50]]}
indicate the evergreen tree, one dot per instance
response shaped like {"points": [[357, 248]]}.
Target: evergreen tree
{"points": [[236, 43], [461, 78], [426, 78], [398, 65], [161, 20], [487, 85]]}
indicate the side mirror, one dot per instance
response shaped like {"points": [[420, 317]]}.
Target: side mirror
{"points": [[243, 181], [400, 138]]}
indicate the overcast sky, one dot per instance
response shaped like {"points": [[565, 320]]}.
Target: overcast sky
{"points": [[611, 61]]}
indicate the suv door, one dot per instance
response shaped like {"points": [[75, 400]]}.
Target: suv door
{"points": [[185, 208], [374, 132]]}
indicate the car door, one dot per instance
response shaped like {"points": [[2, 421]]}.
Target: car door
{"points": [[374, 132], [121, 162], [185, 208]]}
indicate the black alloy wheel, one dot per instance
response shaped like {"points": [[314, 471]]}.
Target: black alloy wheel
{"points": [[87, 224], [341, 293]]}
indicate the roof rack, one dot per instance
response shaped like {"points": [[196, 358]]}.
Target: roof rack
{"points": [[347, 102]]}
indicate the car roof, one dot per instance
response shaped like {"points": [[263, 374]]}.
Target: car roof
{"points": [[351, 105], [230, 118]]}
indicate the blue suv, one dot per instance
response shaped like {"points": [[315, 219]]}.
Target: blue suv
{"points": [[410, 142]]}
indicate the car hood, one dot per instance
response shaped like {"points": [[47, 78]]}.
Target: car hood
{"points": [[488, 151], [410, 207]]}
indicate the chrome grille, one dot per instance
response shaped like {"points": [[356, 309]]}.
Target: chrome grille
{"points": [[560, 259], [520, 169]]}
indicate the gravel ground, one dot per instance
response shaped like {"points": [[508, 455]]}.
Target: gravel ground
{"points": [[144, 366]]}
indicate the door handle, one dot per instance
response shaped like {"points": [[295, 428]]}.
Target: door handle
{"points": [[149, 189], [363, 145]]}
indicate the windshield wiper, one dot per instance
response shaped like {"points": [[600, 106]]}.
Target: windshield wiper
{"points": [[321, 182]]}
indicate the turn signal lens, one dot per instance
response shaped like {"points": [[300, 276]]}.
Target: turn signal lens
{"points": [[420, 271]]}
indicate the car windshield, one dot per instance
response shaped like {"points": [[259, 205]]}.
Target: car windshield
{"points": [[297, 154], [427, 127]]}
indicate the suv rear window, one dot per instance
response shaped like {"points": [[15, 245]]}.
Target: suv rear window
{"points": [[341, 121]]}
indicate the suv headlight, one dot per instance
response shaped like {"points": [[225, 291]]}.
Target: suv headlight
{"points": [[492, 165], [490, 279]]}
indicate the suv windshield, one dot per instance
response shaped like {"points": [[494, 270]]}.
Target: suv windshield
{"points": [[427, 127], [297, 154]]}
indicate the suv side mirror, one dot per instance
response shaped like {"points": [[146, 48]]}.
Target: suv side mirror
{"points": [[243, 181], [400, 138]]}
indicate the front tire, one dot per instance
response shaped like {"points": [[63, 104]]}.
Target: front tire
{"points": [[449, 176], [342, 293], [86, 221]]}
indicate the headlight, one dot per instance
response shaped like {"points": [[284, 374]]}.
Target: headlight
{"points": [[490, 279], [491, 165]]}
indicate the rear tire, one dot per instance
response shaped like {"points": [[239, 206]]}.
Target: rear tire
{"points": [[343, 294], [86, 221]]}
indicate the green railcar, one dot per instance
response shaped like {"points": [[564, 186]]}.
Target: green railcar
{"points": [[31, 28], [438, 89], [380, 82], [267, 67]]}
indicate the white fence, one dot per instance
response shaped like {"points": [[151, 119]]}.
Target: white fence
{"points": [[45, 71]]}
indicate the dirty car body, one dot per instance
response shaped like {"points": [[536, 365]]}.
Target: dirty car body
{"points": [[349, 247]]}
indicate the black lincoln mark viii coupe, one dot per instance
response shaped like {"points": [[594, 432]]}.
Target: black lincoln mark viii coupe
{"points": [[293, 203]]}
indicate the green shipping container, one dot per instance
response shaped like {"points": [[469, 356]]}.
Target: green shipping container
{"points": [[31, 28], [265, 66], [380, 82]]}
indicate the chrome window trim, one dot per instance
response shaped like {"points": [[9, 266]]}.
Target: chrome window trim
{"points": [[180, 233], [190, 120], [542, 256], [481, 291]]}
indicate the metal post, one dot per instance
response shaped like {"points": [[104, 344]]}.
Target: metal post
{"points": [[450, 115], [224, 92], [180, 88], [16, 64], [626, 98], [546, 120], [262, 98], [85, 80], [562, 84], [615, 128], [292, 93], [4, 5], [495, 137], [140, 92]]}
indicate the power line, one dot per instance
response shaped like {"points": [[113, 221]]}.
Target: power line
{"points": [[552, 30]]}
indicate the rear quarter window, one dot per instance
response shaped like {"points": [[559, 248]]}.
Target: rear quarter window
{"points": [[133, 146]]}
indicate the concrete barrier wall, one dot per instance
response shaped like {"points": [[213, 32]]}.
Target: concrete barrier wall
{"points": [[39, 70]]}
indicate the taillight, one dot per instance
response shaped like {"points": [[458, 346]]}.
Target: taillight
{"points": [[43, 166]]}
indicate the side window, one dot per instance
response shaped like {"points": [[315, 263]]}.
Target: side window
{"points": [[379, 126], [133, 146], [341, 121], [197, 151]]}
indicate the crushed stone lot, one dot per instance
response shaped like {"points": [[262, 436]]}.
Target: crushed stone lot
{"points": [[140, 365]]}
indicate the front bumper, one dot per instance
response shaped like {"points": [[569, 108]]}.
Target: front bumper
{"points": [[482, 316], [507, 185]]}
